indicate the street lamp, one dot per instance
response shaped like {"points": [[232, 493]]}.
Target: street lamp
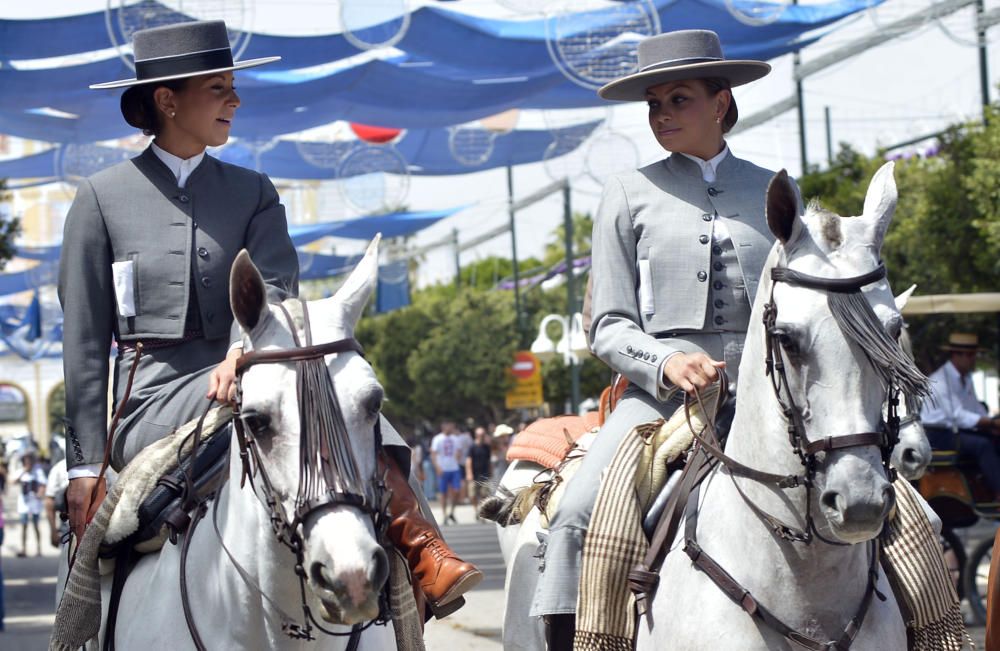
{"points": [[572, 345]]}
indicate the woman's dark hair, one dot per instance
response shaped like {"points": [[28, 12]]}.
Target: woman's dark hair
{"points": [[714, 86], [139, 107]]}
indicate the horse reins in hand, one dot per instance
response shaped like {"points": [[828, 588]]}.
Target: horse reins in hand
{"points": [[707, 455]]}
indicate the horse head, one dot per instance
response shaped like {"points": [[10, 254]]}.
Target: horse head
{"points": [[319, 467], [913, 452], [831, 337]]}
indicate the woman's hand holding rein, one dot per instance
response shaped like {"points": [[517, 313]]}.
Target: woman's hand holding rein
{"points": [[221, 384], [691, 371]]}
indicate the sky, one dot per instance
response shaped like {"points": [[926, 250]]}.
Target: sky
{"points": [[907, 87]]}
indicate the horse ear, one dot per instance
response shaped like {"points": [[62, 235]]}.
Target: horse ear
{"points": [[782, 207], [904, 297], [358, 287], [880, 202], [247, 293]]}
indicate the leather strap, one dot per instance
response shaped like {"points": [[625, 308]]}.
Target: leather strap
{"points": [[745, 600], [185, 598], [644, 577], [297, 354], [831, 443], [838, 285]]}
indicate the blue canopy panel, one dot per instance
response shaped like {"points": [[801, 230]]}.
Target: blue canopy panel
{"points": [[426, 151], [364, 228], [315, 266], [437, 33], [455, 69]]}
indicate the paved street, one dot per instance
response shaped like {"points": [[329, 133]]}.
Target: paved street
{"points": [[30, 583]]}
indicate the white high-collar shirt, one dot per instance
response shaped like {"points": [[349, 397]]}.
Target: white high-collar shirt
{"points": [[709, 166], [181, 167]]}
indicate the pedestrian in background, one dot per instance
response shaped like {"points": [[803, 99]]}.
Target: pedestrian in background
{"points": [[477, 467], [464, 445], [445, 456], [31, 481], [429, 475], [501, 441]]}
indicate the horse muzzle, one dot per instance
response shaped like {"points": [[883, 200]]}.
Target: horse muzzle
{"points": [[855, 510], [351, 595]]}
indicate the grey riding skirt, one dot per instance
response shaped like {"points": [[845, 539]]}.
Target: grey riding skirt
{"points": [[559, 583]]}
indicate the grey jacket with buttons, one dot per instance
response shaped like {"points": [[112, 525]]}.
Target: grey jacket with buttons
{"points": [[651, 260], [181, 243]]}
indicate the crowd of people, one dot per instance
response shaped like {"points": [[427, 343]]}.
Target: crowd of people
{"points": [[458, 464]]}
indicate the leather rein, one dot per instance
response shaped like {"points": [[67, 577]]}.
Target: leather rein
{"points": [[708, 455], [319, 458]]}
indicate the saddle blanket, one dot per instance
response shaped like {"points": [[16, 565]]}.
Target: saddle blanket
{"points": [[547, 440]]}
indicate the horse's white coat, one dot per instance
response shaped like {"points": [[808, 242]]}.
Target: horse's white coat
{"points": [[340, 545], [814, 588]]}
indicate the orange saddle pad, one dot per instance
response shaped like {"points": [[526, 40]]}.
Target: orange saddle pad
{"points": [[545, 441]]}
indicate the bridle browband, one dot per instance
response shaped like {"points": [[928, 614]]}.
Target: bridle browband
{"points": [[708, 449], [328, 471]]}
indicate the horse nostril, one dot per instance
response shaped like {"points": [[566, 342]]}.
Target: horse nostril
{"points": [[320, 579], [380, 568], [829, 500]]}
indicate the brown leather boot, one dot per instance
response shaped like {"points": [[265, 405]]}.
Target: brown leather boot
{"points": [[442, 575]]}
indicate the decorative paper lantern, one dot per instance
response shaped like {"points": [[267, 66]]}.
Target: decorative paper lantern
{"points": [[375, 135], [501, 122]]}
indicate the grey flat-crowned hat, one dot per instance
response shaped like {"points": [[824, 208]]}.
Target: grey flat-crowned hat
{"points": [[684, 54], [182, 50]]}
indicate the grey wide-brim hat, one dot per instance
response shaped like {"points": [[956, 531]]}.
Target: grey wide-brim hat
{"points": [[675, 56], [182, 50]]}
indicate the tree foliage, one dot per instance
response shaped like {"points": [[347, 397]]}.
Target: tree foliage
{"points": [[945, 235], [10, 228]]}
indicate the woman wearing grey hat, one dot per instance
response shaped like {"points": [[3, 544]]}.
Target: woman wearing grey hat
{"points": [[147, 249], [678, 247]]}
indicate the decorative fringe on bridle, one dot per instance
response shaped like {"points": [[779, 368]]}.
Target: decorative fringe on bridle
{"points": [[326, 462], [857, 320]]}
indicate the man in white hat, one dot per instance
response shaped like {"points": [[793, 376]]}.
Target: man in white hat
{"points": [[954, 417]]}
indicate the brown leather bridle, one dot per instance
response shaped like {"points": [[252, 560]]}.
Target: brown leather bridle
{"points": [[708, 455], [328, 472]]}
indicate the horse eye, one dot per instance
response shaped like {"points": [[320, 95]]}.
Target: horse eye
{"points": [[787, 341], [373, 403], [259, 424]]}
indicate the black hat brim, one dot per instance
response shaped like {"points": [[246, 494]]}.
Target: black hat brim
{"points": [[239, 65]]}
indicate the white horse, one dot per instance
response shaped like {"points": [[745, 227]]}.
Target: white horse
{"points": [[344, 565], [913, 452], [856, 473], [836, 387]]}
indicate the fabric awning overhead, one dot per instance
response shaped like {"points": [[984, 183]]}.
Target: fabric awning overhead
{"points": [[451, 67]]}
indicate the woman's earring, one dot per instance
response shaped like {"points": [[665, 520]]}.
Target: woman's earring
{"points": [[718, 120], [172, 114]]}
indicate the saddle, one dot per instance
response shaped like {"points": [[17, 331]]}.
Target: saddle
{"points": [[547, 440], [166, 512]]}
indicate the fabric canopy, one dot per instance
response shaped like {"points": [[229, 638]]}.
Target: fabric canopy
{"points": [[451, 68], [952, 303], [364, 228], [426, 152]]}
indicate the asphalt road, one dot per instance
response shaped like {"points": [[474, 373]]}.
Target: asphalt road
{"points": [[29, 589]]}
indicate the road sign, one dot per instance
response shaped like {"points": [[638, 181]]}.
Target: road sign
{"points": [[527, 374]]}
